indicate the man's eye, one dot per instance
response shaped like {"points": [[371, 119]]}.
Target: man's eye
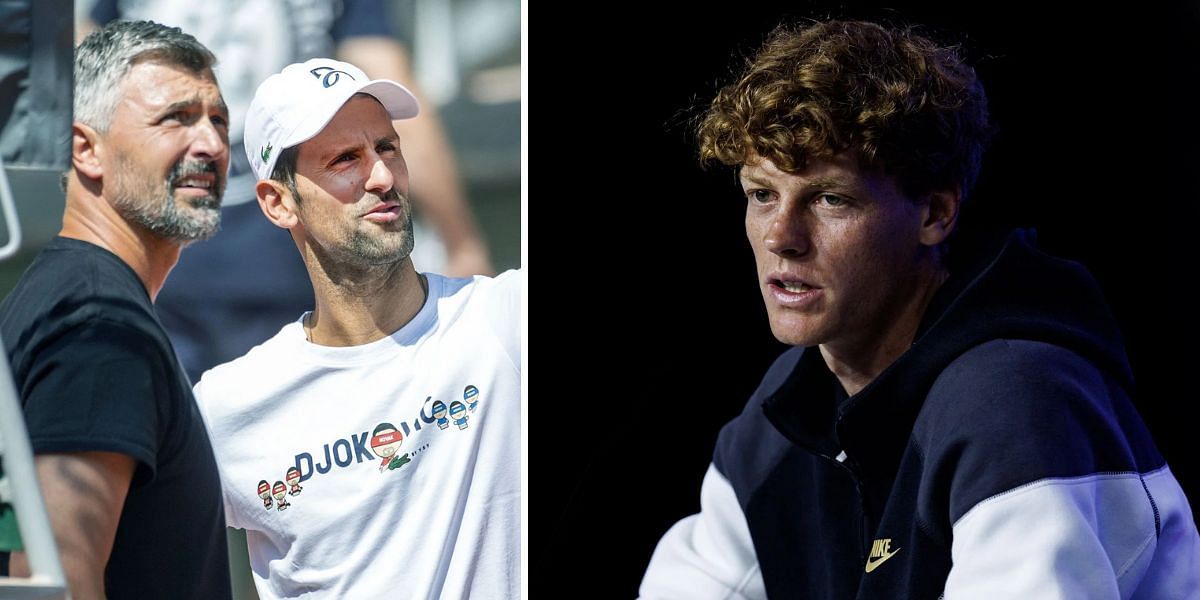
{"points": [[832, 200], [759, 195]]}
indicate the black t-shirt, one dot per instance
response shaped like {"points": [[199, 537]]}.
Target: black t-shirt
{"points": [[96, 372], [217, 305]]}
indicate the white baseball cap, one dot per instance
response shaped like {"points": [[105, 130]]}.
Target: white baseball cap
{"points": [[294, 105]]}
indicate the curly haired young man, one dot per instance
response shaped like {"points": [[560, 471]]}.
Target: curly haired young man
{"points": [[949, 424]]}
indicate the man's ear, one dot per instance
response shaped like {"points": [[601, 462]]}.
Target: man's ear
{"points": [[277, 203], [87, 149], [940, 215]]}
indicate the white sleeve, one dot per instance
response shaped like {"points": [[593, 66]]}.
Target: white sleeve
{"points": [[505, 310], [708, 555], [1090, 537]]}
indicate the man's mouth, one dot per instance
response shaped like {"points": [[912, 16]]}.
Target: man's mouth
{"points": [[387, 209], [194, 181], [794, 287], [198, 177]]}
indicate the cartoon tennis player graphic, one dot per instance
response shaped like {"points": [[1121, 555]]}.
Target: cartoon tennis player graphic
{"points": [[293, 481], [264, 492], [471, 397], [439, 412], [385, 442], [280, 491], [458, 412]]}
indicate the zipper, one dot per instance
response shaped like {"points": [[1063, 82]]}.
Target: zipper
{"points": [[844, 461]]}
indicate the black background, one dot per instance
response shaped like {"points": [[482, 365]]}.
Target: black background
{"points": [[648, 329]]}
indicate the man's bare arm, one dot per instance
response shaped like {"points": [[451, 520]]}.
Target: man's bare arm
{"points": [[84, 493]]}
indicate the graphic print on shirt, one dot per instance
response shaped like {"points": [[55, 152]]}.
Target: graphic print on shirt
{"points": [[458, 412], [293, 480], [280, 491], [382, 443], [264, 492], [439, 413], [385, 442], [471, 397]]}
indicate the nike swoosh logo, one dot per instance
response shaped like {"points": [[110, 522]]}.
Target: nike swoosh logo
{"points": [[874, 564]]}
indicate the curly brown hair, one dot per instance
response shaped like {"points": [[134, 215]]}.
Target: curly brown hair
{"points": [[899, 101]]}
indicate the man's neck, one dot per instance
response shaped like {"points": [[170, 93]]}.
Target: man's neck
{"points": [[359, 306], [856, 363], [92, 219]]}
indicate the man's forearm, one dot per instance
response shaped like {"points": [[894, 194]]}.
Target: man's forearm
{"points": [[84, 495]]}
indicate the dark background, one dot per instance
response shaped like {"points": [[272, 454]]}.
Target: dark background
{"points": [[654, 334]]}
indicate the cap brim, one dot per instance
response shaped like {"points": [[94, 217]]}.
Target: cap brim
{"points": [[395, 98], [399, 102]]}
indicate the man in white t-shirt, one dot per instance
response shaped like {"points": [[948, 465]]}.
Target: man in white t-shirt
{"points": [[382, 347]]}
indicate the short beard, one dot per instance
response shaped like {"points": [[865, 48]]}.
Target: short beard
{"points": [[371, 251], [364, 250], [164, 218]]}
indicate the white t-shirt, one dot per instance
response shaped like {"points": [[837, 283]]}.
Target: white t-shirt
{"points": [[407, 451]]}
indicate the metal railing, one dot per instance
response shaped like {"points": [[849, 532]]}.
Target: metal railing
{"points": [[47, 580]]}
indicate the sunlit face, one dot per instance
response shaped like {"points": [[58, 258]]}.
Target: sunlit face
{"points": [[166, 151], [837, 249], [353, 186]]}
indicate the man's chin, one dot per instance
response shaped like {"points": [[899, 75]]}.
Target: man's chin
{"points": [[202, 225], [793, 331]]}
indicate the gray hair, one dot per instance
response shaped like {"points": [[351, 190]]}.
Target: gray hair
{"points": [[105, 56]]}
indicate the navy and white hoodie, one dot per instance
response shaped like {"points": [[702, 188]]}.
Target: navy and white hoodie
{"points": [[998, 457]]}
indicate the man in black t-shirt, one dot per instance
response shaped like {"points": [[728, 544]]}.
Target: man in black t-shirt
{"points": [[123, 459]]}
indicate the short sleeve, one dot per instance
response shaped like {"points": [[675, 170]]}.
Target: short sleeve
{"points": [[98, 387], [506, 312]]}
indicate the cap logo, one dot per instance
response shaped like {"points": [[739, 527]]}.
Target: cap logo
{"points": [[266, 153], [329, 76]]}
